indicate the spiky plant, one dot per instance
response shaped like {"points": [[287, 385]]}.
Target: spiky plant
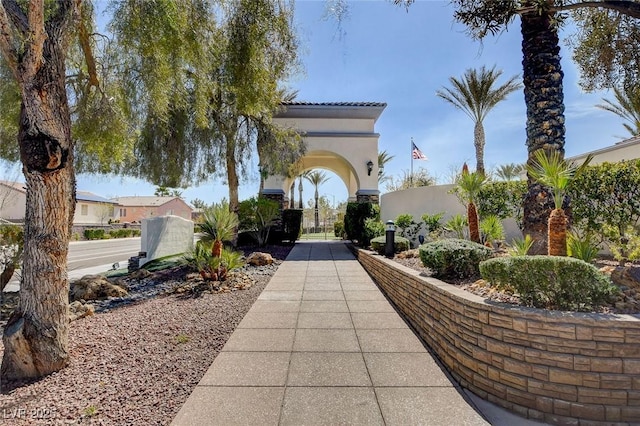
{"points": [[552, 171], [218, 225], [470, 184]]}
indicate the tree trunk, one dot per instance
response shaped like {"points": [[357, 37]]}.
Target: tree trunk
{"points": [[300, 205], [36, 335], [472, 218], [292, 192], [544, 98], [557, 233], [316, 216], [478, 139], [232, 180]]}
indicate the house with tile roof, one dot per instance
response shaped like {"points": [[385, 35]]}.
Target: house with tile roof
{"points": [[91, 209], [134, 209]]}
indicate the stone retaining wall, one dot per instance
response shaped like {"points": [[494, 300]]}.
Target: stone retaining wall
{"points": [[557, 367]]}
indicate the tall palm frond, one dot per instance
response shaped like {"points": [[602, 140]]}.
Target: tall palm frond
{"points": [[475, 94], [509, 171], [625, 106], [383, 158]]}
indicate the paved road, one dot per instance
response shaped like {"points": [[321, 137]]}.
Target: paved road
{"points": [[92, 257], [87, 254]]}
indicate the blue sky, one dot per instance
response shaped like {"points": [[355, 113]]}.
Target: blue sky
{"points": [[384, 53]]}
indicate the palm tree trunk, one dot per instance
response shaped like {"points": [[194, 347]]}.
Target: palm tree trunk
{"points": [[36, 337], [472, 218], [316, 216], [544, 99], [479, 141], [557, 233], [300, 206]]}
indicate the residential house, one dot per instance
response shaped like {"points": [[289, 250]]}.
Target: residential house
{"points": [[92, 209], [134, 209], [13, 199]]}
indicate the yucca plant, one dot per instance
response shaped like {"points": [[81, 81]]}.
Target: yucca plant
{"points": [[520, 246], [456, 224], [218, 225], [491, 229], [552, 171], [470, 185], [213, 268], [582, 247]]}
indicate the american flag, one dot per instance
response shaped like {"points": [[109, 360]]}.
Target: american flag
{"points": [[416, 154]]}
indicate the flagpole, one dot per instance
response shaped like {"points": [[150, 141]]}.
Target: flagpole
{"points": [[411, 175]]}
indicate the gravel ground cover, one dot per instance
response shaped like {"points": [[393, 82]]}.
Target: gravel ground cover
{"points": [[136, 364]]}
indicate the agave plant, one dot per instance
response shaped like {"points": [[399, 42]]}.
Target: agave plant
{"points": [[218, 225], [552, 171]]}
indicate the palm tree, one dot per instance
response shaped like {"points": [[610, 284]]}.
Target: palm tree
{"points": [[302, 175], [316, 178], [470, 185], [475, 94], [626, 106], [552, 171], [219, 225], [383, 158], [510, 171]]}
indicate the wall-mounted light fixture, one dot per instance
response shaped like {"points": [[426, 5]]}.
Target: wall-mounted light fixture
{"points": [[369, 167]]}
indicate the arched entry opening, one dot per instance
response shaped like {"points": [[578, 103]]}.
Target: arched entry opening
{"points": [[339, 137]]}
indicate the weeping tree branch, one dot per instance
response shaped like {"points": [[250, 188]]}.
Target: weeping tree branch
{"points": [[625, 7], [6, 41], [36, 35]]}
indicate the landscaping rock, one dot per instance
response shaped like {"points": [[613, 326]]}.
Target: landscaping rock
{"points": [[628, 276], [94, 287], [79, 310], [259, 259]]}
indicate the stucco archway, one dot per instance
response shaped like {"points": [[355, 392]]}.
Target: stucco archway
{"points": [[339, 137]]}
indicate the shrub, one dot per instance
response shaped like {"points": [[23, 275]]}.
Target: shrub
{"points": [[400, 244], [453, 258], [552, 282], [433, 223], [502, 199], [292, 224], [372, 228], [354, 220], [257, 216], [408, 227], [338, 229], [94, 234]]}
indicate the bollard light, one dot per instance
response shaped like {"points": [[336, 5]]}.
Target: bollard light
{"points": [[390, 229]]}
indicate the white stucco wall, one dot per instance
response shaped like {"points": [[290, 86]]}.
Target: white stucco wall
{"points": [[96, 213], [165, 236], [431, 200], [12, 203]]}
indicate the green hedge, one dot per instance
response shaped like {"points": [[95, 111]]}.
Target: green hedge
{"points": [[338, 229], [400, 244], [453, 258], [292, 224], [550, 282], [94, 234], [355, 218]]}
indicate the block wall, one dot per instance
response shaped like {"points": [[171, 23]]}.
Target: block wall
{"points": [[557, 367]]}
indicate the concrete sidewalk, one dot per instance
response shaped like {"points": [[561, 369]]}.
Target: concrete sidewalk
{"points": [[323, 346]]}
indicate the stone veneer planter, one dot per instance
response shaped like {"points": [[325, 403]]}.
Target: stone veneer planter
{"points": [[563, 368]]}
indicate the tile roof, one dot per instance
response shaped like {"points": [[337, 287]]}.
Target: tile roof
{"points": [[146, 201], [89, 196]]}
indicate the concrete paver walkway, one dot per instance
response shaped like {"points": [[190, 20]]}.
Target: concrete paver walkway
{"points": [[323, 346]]}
